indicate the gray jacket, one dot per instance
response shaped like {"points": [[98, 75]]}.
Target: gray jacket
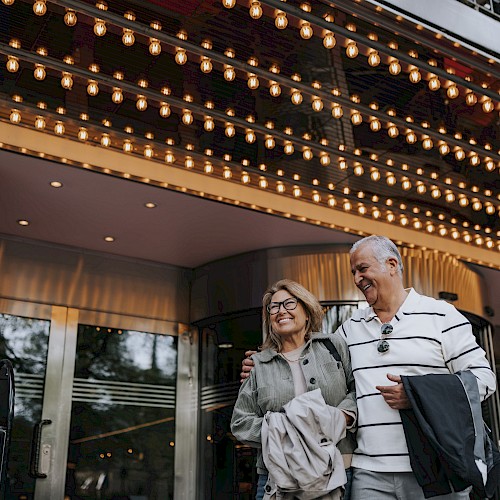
{"points": [[270, 387]]}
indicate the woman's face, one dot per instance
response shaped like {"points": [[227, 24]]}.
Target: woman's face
{"points": [[287, 323]]}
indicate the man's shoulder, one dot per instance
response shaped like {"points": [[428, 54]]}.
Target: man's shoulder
{"points": [[425, 303]]}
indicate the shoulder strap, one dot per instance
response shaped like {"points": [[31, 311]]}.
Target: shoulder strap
{"points": [[333, 350]]}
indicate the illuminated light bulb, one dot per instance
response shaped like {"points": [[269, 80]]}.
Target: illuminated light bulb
{"points": [[490, 209], [274, 89], [347, 205], [352, 50], [250, 136], [288, 148], [316, 197], [390, 217], [415, 75], [394, 67], [404, 221], [180, 56], [255, 10], [317, 104], [228, 4], [459, 154], [297, 192], [128, 37], [434, 83], [421, 189], [83, 134], [148, 151], [39, 122], [337, 111], [67, 81], [189, 162], [356, 117], [245, 178], [296, 97], [392, 131], [488, 105], [332, 201], [329, 40], [324, 159], [475, 160], [269, 143], [70, 18], [411, 137], [307, 154], [280, 187], [59, 128], [391, 179], [281, 21], [417, 224], [375, 175], [452, 91], [375, 124], [342, 164], [489, 165], [187, 117], [449, 197], [154, 47], [99, 27], [12, 64], [105, 140], [430, 228], [362, 210], [229, 73], [127, 146], [209, 124], [39, 73], [208, 167], [206, 65], [476, 205], [427, 143], [8, 2], [229, 130], [164, 110], [226, 173], [117, 95], [169, 157], [253, 81], [406, 184], [92, 88], [40, 7], [455, 234], [359, 170], [141, 103], [15, 116], [373, 58], [306, 30], [443, 231], [435, 192], [263, 182], [470, 98], [444, 149], [463, 201], [376, 213]]}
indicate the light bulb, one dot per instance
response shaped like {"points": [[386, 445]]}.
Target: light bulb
{"points": [[226, 173], [452, 91], [245, 178], [297, 192], [296, 97], [164, 110], [228, 4], [83, 134], [488, 105], [189, 162], [67, 81], [435, 192], [475, 160], [270, 143], [92, 88], [230, 131], [208, 167], [359, 170], [169, 157], [411, 137], [128, 37], [187, 117], [99, 27], [375, 124], [392, 131], [39, 73], [324, 159], [209, 124], [229, 73], [317, 104], [427, 143], [421, 189], [255, 10], [316, 197], [307, 154], [40, 123], [373, 58], [148, 151], [375, 175], [394, 67], [180, 56], [263, 182], [275, 89], [449, 197], [306, 30], [406, 184], [59, 128], [281, 21], [288, 148], [154, 47], [391, 179], [40, 7], [434, 83], [206, 65], [337, 111], [415, 75], [352, 50], [250, 136], [329, 40], [253, 81], [356, 118], [70, 18], [12, 64], [470, 98], [15, 116], [141, 103], [459, 154], [444, 149], [117, 95]]}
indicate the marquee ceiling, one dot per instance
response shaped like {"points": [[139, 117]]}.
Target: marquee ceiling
{"points": [[340, 104]]}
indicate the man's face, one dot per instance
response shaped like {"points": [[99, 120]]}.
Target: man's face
{"points": [[370, 276]]}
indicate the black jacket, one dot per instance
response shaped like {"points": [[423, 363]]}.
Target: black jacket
{"points": [[445, 435]]}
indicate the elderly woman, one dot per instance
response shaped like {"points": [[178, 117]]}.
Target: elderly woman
{"points": [[295, 359]]}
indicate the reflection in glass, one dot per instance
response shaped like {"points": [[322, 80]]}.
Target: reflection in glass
{"points": [[24, 342], [122, 434]]}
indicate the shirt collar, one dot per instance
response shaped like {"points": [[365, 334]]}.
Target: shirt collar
{"points": [[409, 305]]}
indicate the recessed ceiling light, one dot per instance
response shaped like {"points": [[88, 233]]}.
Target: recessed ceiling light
{"points": [[150, 204], [109, 239], [23, 222], [56, 184]]}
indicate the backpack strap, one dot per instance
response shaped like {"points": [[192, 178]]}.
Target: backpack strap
{"points": [[333, 350]]}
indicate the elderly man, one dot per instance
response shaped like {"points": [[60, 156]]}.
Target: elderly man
{"points": [[400, 333]]}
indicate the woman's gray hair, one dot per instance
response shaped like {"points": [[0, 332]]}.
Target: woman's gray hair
{"points": [[311, 305], [383, 249]]}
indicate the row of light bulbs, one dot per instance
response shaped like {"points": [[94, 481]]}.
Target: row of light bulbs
{"points": [[375, 175], [297, 191]]}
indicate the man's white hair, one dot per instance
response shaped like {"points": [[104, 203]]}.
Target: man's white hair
{"points": [[383, 249]]}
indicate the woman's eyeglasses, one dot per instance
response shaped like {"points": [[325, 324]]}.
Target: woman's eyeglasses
{"points": [[383, 345], [288, 304]]}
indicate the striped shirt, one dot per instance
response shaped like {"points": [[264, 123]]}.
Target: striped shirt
{"points": [[429, 336]]}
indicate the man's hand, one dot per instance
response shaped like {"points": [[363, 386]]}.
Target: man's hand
{"points": [[246, 365], [394, 395]]}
